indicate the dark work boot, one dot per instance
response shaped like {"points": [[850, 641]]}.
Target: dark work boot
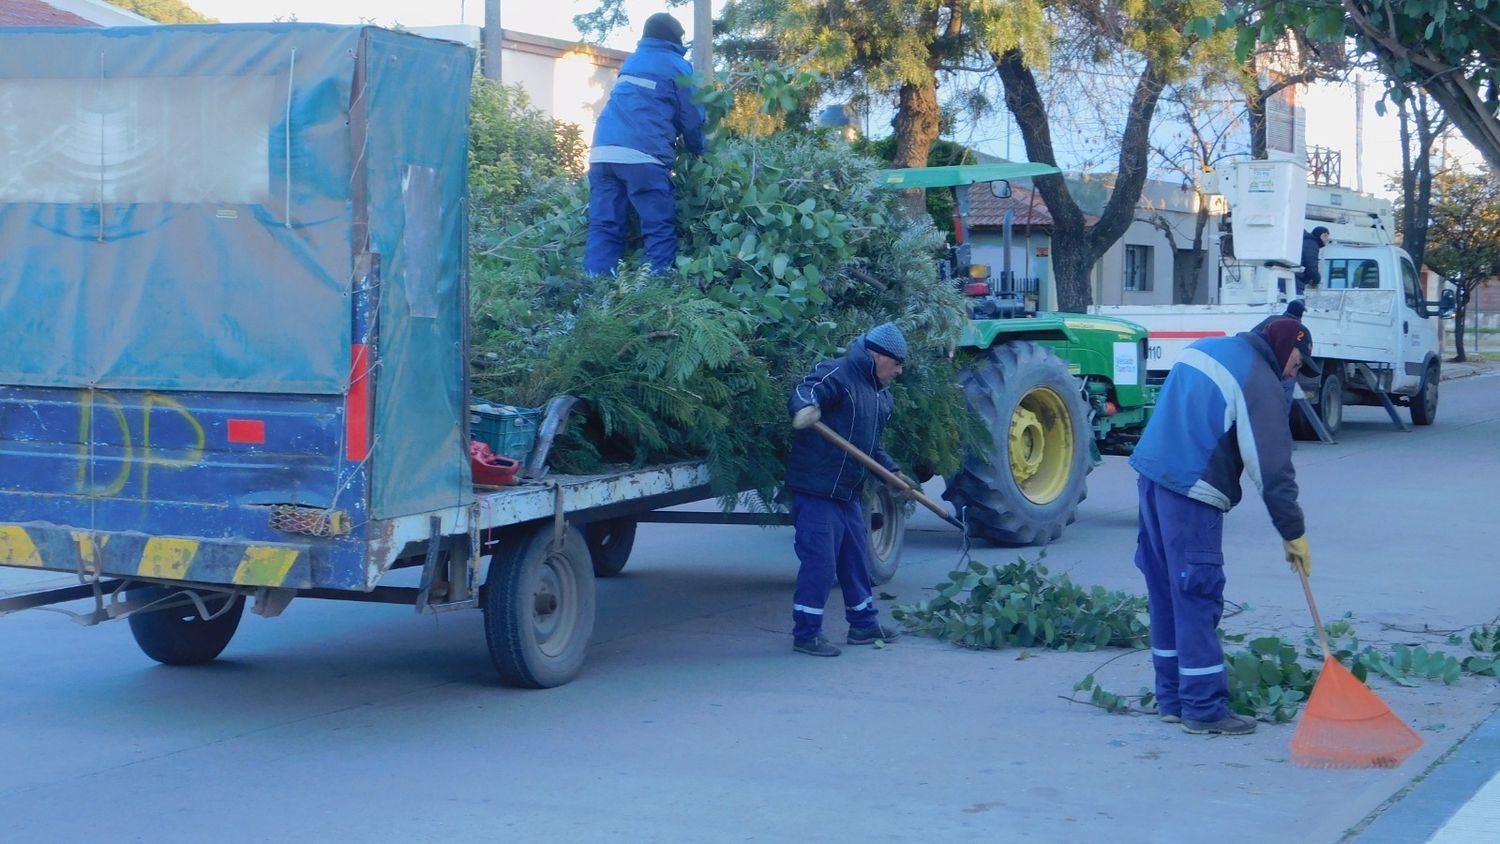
{"points": [[1229, 725], [815, 647], [871, 635]]}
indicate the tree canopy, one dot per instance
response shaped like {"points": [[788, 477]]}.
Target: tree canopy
{"points": [[1463, 236], [165, 11], [1450, 48]]}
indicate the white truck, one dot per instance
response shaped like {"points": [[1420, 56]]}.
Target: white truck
{"points": [[1374, 334]]}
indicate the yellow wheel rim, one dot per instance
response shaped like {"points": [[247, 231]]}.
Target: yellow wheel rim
{"points": [[1041, 445]]}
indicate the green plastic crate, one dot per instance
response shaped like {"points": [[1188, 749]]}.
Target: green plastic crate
{"points": [[508, 431]]}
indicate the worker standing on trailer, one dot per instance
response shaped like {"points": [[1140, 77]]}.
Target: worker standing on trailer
{"points": [[852, 396], [634, 147], [1220, 413]]}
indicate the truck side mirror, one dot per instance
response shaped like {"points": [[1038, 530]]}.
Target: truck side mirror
{"points": [[1446, 303]]}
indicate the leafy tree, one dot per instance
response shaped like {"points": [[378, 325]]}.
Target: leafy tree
{"points": [[1161, 41], [1464, 236], [165, 11], [901, 49], [1450, 48]]}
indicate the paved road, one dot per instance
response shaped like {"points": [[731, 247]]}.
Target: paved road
{"points": [[695, 722]]}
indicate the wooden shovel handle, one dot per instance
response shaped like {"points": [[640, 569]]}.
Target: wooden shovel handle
{"points": [[885, 474]]}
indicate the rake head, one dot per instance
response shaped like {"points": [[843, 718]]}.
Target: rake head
{"points": [[1345, 725]]}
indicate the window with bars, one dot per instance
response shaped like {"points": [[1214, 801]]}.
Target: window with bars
{"points": [[1138, 268]]}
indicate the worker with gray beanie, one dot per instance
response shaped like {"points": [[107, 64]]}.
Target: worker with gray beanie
{"points": [[852, 396], [630, 163]]}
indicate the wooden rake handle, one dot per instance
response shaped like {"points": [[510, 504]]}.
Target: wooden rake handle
{"points": [[1317, 619], [885, 474]]}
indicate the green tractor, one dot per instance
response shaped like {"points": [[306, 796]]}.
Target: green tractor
{"points": [[1055, 390]]}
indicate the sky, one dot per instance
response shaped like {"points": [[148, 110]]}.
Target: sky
{"points": [[553, 18], [1330, 110]]}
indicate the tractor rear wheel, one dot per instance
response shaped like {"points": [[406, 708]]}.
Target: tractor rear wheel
{"points": [[1027, 489]]}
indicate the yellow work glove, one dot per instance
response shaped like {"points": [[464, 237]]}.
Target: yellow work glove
{"points": [[806, 417], [1298, 555]]}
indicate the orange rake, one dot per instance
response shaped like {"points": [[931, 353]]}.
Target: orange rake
{"points": [[1345, 725]]}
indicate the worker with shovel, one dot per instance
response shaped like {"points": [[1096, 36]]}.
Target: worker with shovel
{"points": [[850, 398], [1221, 413]]}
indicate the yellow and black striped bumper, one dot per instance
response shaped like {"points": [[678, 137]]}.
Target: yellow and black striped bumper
{"points": [[161, 557]]}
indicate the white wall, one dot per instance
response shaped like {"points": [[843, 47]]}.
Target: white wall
{"points": [[567, 82]]}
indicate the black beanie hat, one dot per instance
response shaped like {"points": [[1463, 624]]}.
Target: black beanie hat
{"points": [[1295, 309], [663, 26]]}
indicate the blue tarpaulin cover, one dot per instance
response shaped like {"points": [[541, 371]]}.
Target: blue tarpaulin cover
{"points": [[191, 208]]}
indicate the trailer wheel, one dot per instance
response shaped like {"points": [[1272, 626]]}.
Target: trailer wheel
{"points": [[886, 512], [1424, 403], [610, 541], [1027, 490], [179, 635], [539, 607]]}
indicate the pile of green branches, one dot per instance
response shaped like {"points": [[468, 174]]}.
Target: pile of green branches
{"points": [[787, 252]]}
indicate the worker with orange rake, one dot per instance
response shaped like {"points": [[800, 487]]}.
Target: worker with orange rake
{"points": [[1222, 412]]}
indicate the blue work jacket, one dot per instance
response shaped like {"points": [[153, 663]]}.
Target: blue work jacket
{"points": [[651, 104], [857, 408]]}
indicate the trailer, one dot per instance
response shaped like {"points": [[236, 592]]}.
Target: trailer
{"points": [[233, 286]]}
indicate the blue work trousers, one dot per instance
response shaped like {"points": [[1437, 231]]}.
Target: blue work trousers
{"points": [[1180, 550], [613, 190], [832, 540]]}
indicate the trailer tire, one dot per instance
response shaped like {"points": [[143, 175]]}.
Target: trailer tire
{"points": [[610, 542], [1424, 404], [886, 512], [178, 635], [1028, 490], [539, 607]]}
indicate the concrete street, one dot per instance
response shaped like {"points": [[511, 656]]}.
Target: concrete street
{"points": [[694, 721]]}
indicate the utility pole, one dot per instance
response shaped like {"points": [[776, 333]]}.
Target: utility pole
{"points": [[703, 38], [1359, 133], [490, 40]]}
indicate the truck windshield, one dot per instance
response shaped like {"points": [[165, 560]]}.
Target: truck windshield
{"points": [[1353, 274]]}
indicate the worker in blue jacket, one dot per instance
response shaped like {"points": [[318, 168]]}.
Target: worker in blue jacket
{"points": [[634, 147], [1221, 413], [852, 396]]}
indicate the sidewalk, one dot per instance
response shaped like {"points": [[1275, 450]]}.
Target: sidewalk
{"points": [[1468, 369], [1456, 802]]}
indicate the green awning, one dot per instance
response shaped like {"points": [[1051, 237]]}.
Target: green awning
{"points": [[961, 174]]}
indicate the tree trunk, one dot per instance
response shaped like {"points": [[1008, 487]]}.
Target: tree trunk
{"points": [[1255, 107], [1416, 173], [918, 120], [1075, 245]]}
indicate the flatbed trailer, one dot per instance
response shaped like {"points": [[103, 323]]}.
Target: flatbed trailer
{"points": [[234, 292]]}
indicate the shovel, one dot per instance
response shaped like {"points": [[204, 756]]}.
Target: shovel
{"points": [[885, 474]]}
